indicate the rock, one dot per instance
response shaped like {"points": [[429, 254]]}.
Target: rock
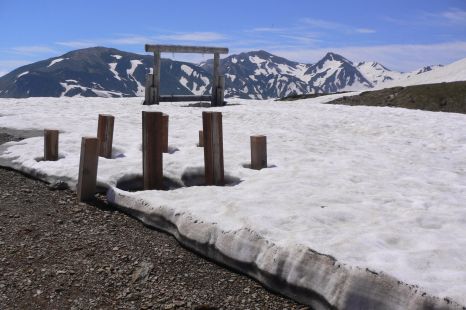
{"points": [[58, 186], [142, 272]]}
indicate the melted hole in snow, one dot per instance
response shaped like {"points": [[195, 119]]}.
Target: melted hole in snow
{"points": [[136, 183], [172, 149], [41, 158], [117, 153], [194, 176], [248, 166]]}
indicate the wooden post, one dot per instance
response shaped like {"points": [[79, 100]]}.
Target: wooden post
{"points": [[156, 84], [221, 90], [87, 178], [105, 134], [165, 133], [258, 152], [213, 148], [152, 149], [50, 144], [201, 139], [149, 92], [215, 78]]}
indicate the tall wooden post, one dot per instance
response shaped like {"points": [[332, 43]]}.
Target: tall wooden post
{"points": [[152, 149], [213, 148], [201, 139], [215, 78], [149, 92], [105, 134], [157, 65], [221, 90], [165, 133], [50, 144], [87, 178], [258, 152]]}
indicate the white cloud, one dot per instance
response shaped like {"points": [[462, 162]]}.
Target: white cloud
{"points": [[78, 44], [32, 49], [403, 57], [131, 40], [365, 30], [455, 16], [334, 26], [193, 36], [267, 29], [2, 73]]}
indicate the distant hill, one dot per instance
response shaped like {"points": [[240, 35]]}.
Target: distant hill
{"points": [[108, 72], [444, 97]]}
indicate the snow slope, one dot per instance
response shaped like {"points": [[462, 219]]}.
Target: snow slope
{"points": [[438, 74], [376, 188]]}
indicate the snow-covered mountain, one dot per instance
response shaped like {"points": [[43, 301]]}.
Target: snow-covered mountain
{"points": [[261, 75], [107, 72], [102, 72]]}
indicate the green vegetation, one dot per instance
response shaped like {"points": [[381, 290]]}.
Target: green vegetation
{"points": [[444, 97], [294, 96]]}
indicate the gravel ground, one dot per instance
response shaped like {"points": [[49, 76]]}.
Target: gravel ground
{"points": [[56, 253]]}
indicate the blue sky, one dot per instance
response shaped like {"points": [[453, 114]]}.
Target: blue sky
{"points": [[402, 35]]}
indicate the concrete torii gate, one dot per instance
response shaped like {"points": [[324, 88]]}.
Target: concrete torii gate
{"points": [[152, 95]]}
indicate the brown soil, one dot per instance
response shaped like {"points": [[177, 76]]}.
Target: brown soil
{"points": [[56, 253]]}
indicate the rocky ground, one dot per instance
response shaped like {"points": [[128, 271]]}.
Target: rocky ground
{"points": [[443, 97], [56, 253]]}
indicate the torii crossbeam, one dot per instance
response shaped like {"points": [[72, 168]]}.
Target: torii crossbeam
{"points": [[152, 95]]}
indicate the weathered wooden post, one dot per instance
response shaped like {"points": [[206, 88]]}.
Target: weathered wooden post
{"points": [[214, 101], [201, 139], [105, 134], [258, 152], [152, 149], [213, 148], [50, 144], [149, 92], [87, 178], [221, 91], [165, 132]]}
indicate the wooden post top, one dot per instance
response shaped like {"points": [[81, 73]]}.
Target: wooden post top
{"points": [[185, 49]]}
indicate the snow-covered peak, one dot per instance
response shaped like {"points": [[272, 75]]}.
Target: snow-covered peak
{"points": [[334, 58], [376, 73]]}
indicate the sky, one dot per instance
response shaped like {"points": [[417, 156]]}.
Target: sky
{"points": [[402, 35]]}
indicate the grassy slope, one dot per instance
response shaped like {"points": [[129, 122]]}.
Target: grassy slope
{"points": [[445, 97]]}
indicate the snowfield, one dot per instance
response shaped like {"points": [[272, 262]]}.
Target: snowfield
{"points": [[377, 188]]}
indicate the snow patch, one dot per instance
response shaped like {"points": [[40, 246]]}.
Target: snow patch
{"points": [[55, 61], [112, 67]]}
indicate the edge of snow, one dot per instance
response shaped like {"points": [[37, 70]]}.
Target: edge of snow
{"points": [[298, 272]]}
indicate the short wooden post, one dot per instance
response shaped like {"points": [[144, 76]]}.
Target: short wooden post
{"points": [[50, 144], [213, 148], [165, 132], [201, 139], [258, 152], [152, 149], [87, 178], [221, 90], [105, 134]]}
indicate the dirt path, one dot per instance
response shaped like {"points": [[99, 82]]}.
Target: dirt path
{"points": [[58, 254]]}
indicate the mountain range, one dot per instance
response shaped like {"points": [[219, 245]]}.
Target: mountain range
{"points": [[108, 72]]}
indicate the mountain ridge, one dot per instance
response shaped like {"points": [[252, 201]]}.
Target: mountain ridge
{"points": [[109, 72]]}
